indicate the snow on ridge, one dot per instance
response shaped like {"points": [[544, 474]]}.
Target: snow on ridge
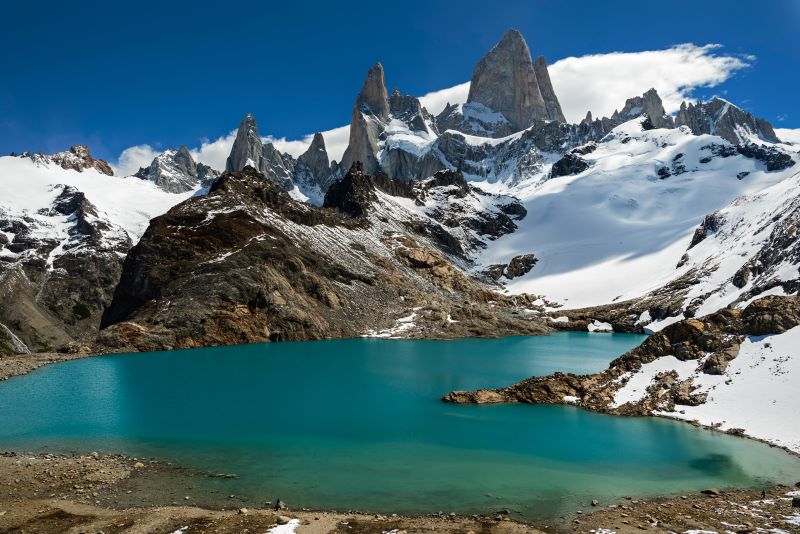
{"points": [[128, 202], [618, 230]]}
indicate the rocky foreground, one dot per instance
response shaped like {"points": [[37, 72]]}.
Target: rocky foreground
{"points": [[94, 492], [663, 376]]}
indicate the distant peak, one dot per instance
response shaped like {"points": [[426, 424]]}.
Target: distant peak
{"points": [[373, 98]]}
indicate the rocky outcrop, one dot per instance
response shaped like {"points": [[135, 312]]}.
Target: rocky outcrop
{"points": [[247, 147], [249, 150], [720, 117], [569, 164], [505, 81], [175, 171], [370, 113], [520, 265], [548, 93], [649, 104], [313, 169], [77, 158], [713, 341]]}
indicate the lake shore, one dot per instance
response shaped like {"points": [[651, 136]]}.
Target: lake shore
{"points": [[116, 493]]}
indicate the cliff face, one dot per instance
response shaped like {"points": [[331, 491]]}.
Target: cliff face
{"points": [[507, 81]]}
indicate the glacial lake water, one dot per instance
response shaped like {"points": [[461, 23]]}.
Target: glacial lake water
{"points": [[358, 424]]}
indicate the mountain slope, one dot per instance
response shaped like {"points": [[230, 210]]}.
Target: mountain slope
{"points": [[618, 229], [63, 235], [248, 263]]}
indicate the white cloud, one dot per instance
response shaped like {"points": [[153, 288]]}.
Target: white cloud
{"points": [[214, 153], [602, 82], [788, 135], [132, 158], [598, 82], [437, 100]]}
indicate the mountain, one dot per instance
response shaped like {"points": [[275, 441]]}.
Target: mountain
{"points": [[64, 231], [267, 267], [720, 117], [506, 81], [175, 171]]}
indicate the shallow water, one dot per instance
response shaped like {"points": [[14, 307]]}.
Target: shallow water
{"points": [[358, 424]]}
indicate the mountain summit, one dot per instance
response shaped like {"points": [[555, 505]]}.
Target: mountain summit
{"points": [[507, 81]]}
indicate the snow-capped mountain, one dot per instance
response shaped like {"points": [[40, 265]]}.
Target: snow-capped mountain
{"points": [[596, 213], [65, 229], [175, 171]]}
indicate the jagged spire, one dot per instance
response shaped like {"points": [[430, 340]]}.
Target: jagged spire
{"points": [[505, 80], [373, 98], [246, 147]]}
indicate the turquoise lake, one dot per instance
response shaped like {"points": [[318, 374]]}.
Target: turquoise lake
{"points": [[358, 424]]}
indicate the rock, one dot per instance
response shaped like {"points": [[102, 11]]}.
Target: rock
{"points": [[650, 104], [138, 465], [714, 492], [795, 502], [520, 265], [78, 159], [243, 511], [567, 165], [248, 150], [313, 167], [175, 171], [370, 112], [771, 315], [595, 502], [505, 81], [546, 88], [282, 519], [720, 117]]}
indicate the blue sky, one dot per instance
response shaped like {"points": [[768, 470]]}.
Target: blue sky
{"points": [[114, 74]]}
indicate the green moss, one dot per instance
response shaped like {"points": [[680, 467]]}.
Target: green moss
{"points": [[81, 311]]}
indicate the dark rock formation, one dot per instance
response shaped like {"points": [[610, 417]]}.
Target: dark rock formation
{"points": [[711, 223], [569, 164], [520, 265], [313, 167], [720, 117], [650, 104], [548, 93], [54, 286], [773, 159]]}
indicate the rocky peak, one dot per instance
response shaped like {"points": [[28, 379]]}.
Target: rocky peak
{"points": [[373, 99], [354, 193], [176, 171], [548, 93], [315, 159], [505, 81], [77, 158], [247, 146], [408, 109], [249, 150], [720, 117], [650, 104], [370, 112]]}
